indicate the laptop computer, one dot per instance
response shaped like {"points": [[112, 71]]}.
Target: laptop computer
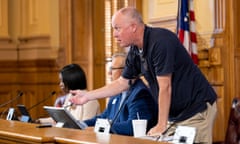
{"points": [[64, 118], [25, 114]]}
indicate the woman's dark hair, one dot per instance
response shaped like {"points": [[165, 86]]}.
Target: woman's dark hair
{"points": [[73, 77]]}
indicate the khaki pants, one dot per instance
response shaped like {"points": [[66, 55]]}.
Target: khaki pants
{"points": [[203, 122]]}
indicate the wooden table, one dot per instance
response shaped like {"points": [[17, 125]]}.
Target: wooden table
{"points": [[20, 132], [90, 137]]}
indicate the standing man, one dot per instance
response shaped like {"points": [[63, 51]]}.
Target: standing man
{"points": [[183, 94]]}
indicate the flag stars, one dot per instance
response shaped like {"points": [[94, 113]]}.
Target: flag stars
{"points": [[186, 28], [186, 17]]}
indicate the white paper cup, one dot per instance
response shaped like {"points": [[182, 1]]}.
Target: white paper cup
{"points": [[139, 127]]}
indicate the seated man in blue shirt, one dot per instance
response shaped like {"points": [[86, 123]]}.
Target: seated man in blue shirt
{"points": [[125, 107]]}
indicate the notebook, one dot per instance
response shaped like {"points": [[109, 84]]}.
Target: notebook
{"points": [[64, 118]]}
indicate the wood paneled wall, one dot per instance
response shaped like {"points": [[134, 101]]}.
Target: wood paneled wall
{"points": [[28, 53], [36, 79], [82, 38]]}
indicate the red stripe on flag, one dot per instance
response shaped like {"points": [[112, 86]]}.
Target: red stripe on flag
{"points": [[193, 37], [186, 23], [191, 16], [194, 58], [181, 35]]}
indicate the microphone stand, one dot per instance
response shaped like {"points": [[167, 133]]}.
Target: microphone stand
{"points": [[36, 121], [8, 102], [20, 93], [52, 93], [121, 107]]}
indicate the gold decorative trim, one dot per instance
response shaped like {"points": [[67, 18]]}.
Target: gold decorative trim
{"points": [[165, 22], [205, 41], [36, 47], [37, 41], [8, 50]]}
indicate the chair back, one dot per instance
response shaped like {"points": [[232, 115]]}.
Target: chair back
{"points": [[233, 130]]}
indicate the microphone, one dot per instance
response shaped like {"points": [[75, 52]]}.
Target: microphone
{"points": [[52, 93], [20, 93], [11, 110]]}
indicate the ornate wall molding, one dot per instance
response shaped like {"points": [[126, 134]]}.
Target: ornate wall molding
{"points": [[8, 50], [162, 13], [205, 41], [36, 47], [165, 22]]}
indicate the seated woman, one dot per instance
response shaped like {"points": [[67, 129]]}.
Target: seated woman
{"points": [[72, 77]]}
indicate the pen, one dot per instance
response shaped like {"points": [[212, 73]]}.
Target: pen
{"points": [[164, 132], [44, 125]]}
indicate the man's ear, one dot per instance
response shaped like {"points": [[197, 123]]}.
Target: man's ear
{"points": [[134, 28]]}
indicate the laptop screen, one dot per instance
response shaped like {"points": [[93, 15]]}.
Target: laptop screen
{"points": [[25, 114], [61, 115]]}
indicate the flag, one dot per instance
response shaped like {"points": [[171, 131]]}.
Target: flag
{"points": [[186, 28]]}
